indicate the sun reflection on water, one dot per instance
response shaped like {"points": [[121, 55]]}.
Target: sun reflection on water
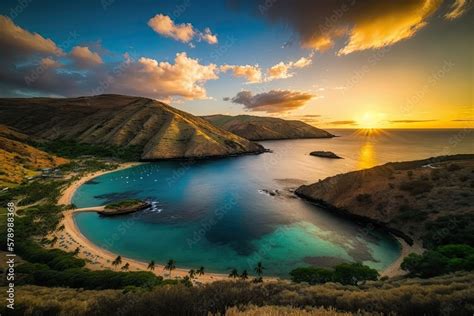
{"points": [[367, 153]]}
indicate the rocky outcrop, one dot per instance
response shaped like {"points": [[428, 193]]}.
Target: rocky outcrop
{"points": [[402, 196], [266, 128], [159, 130], [325, 154]]}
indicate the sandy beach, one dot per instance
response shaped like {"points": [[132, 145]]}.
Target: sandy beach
{"points": [[96, 257], [394, 269]]}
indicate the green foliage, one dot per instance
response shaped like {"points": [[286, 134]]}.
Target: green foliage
{"points": [[32, 192], [54, 258], [311, 275], [73, 149], [86, 279], [444, 259], [452, 229], [344, 273], [124, 203]]}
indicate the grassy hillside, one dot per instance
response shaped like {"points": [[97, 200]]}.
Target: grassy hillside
{"points": [[266, 128], [19, 160], [427, 199], [158, 130]]}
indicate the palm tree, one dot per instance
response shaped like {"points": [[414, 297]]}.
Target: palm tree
{"points": [[151, 265], [125, 267], [117, 261], [259, 269], [244, 275], [76, 251], [234, 274], [200, 271], [61, 228], [171, 265], [192, 273], [54, 240]]}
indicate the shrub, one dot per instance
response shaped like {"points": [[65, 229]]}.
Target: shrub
{"points": [[416, 187], [344, 273]]}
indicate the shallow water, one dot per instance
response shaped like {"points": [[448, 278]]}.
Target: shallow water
{"points": [[219, 214]]}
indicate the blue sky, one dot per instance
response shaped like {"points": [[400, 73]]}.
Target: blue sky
{"points": [[357, 76]]}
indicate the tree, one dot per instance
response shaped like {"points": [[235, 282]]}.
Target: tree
{"points": [[171, 265], [200, 271], [311, 275], [151, 265], [259, 269], [117, 261], [126, 267], [54, 240], [61, 228], [234, 274], [76, 251], [353, 273], [192, 273], [244, 275], [411, 263]]}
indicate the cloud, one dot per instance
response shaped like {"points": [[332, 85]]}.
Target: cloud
{"points": [[458, 8], [84, 57], [16, 42], [272, 101], [347, 122], [363, 25], [282, 70], [252, 74], [412, 121], [185, 32], [207, 36], [185, 78], [49, 75]]}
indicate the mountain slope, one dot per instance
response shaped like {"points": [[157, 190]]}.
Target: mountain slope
{"points": [[410, 197], [266, 128], [162, 131], [19, 160]]}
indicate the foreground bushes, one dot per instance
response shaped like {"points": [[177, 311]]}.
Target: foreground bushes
{"points": [[446, 295], [344, 273]]}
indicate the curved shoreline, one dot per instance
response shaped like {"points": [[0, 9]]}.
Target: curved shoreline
{"points": [[98, 258]]}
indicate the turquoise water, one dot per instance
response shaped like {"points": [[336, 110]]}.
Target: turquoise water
{"points": [[218, 214]]}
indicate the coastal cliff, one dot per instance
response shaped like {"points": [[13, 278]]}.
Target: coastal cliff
{"points": [[409, 198], [266, 128], [158, 130]]}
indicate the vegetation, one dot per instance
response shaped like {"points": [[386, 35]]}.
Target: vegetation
{"points": [[452, 229], [444, 259], [124, 204], [416, 187], [171, 265], [344, 273], [73, 149], [446, 295]]}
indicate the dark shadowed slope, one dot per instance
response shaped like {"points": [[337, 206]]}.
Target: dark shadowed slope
{"points": [[412, 197], [162, 131], [266, 128]]}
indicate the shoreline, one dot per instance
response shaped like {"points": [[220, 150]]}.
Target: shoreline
{"points": [[98, 258]]}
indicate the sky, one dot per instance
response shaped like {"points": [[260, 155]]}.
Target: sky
{"points": [[332, 64]]}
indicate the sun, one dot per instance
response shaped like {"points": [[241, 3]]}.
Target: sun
{"points": [[368, 120]]}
